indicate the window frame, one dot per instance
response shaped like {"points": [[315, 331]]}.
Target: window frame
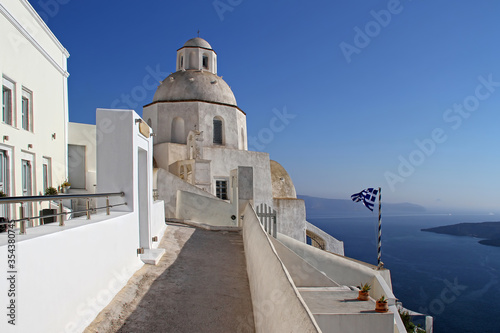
{"points": [[221, 192], [46, 173], [27, 117], [218, 140], [5, 170], [11, 87], [205, 62]]}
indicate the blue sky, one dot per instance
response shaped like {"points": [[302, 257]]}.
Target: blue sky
{"points": [[397, 94]]}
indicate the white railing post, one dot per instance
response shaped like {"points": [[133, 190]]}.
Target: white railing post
{"points": [[61, 212], [22, 229], [88, 208]]}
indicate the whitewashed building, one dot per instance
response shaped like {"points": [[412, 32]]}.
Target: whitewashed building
{"points": [[203, 165], [33, 126]]}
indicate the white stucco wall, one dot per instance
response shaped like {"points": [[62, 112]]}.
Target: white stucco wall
{"points": [[348, 272], [166, 154], [67, 275], [291, 218], [223, 160], [199, 116], [32, 58], [158, 225], [342, 270], [126, 155], [203, 209], [331, 243], [168, 184], [277, 304]]}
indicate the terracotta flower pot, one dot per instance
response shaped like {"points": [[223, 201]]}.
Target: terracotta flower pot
{"points": [[363, 296], [381, 306]]}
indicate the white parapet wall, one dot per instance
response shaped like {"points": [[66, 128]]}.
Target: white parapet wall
{"points": [[331, 243], [67, 275], [348, 272], [211, 211], [63, 276], [277, 304], [158, 225]]}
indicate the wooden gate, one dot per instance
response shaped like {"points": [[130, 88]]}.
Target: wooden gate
{"points": [[267, 217]]}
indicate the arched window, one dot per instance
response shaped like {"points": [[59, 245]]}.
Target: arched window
{"points": [[205, 61], [177, 135], [182, 61], [193, 61], [150, 123], [218, 131]]}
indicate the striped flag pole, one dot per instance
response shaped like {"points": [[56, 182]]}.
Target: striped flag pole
{"points": [[379, 250]]}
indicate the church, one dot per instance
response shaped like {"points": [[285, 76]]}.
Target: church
{"points": [[201, 153]]}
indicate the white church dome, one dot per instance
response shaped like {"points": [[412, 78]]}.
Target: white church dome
{"points": [[193, 85], [196, 77], [198, 42]]}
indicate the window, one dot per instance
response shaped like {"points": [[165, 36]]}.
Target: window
{"points": [[7, 101], [205, 62], [218, 136], [4, 181], [46, 174], [27, 111], [182, 61], [3, 171], [221, 189], [26, 176], [26, 182], [178, 133]]}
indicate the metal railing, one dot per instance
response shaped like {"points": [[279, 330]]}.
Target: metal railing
{"points": [[61, 214]]}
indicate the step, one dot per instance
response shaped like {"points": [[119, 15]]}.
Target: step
{"points": [[337, 309]]}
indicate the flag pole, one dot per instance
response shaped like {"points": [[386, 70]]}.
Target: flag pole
{"points": [[379, 250]]}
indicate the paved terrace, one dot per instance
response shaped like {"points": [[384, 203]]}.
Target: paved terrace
{"points": [[200, 285]]}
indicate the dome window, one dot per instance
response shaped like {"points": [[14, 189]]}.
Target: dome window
{"points": [[205, 62], [218, 131], [178, 131]]}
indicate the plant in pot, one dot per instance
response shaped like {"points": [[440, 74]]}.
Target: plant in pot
{"points": [[50, 191], [65, 186], [363, 294], [49, 211], [381, 305]]}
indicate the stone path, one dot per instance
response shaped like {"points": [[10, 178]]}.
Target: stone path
{"points": [[200, 285]]}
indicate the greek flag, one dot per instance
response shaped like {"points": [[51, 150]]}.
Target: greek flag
{"points": [[367, 196]]}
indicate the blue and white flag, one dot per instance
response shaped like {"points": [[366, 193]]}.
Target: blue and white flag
{"points": [[367, 196]]}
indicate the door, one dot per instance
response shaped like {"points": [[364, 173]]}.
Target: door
{"points": [[76, 166]]}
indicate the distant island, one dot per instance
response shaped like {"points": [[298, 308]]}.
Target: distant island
{"points": [[488, 230]]}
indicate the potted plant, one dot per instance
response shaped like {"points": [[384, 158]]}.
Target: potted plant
{"points": [[2, 194], [49, 211], [381, 305], [363, 294], [65, 186], [50, 191]]}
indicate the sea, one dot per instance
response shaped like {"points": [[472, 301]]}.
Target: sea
{"points": [[452, 278]]}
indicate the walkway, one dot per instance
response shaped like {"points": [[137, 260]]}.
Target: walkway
{"points": [[200, 285]]}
